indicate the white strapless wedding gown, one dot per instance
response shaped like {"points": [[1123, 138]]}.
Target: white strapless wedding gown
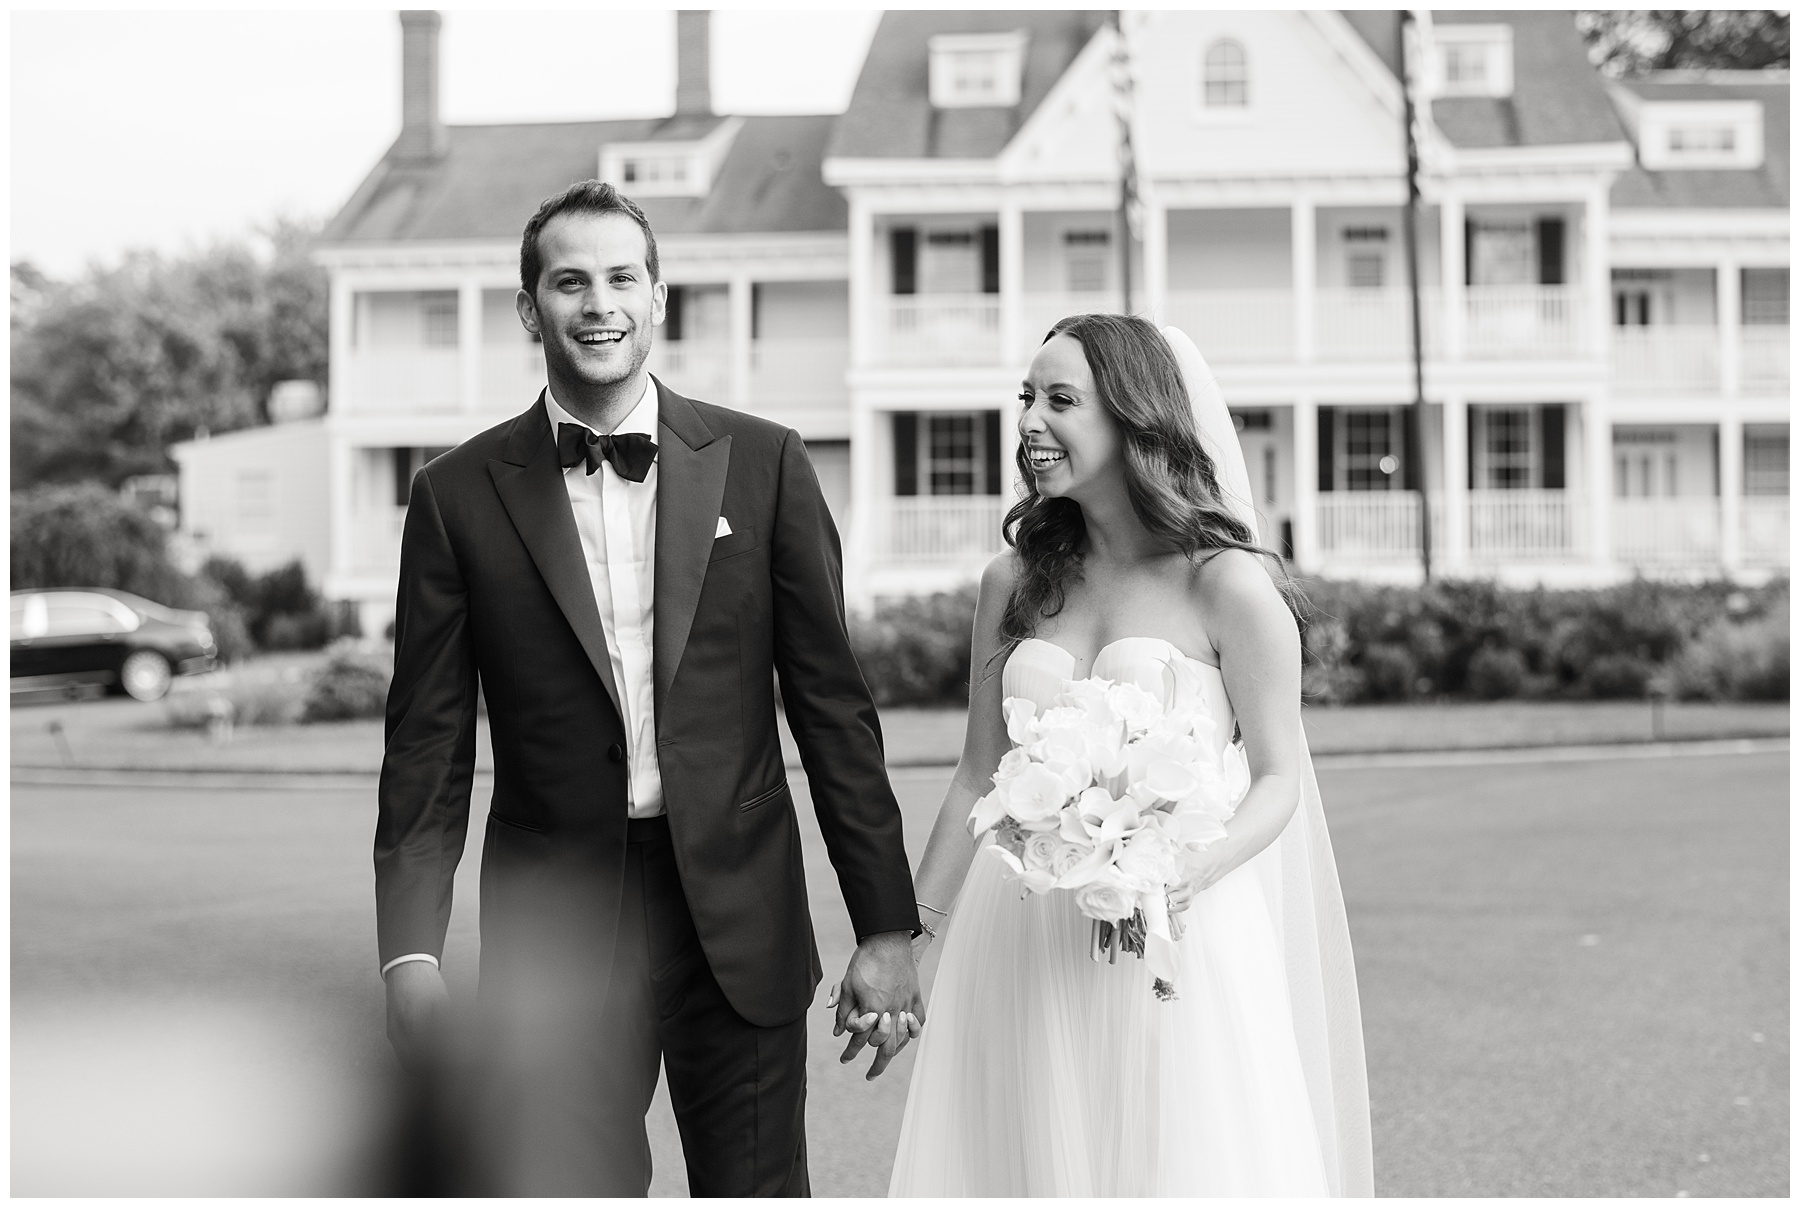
{"points": [[1042, 1072]]}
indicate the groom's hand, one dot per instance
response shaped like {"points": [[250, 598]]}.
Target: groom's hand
{"points": [[878, 1002], [417, 1005]]}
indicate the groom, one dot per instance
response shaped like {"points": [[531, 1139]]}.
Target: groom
{"points": [[623, 573]]}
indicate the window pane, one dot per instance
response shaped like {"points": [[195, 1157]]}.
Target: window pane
{"points": [[1766, 464], [954, 455]]}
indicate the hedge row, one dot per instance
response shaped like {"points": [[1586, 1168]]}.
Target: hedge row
{"points": [[1453, 639]]}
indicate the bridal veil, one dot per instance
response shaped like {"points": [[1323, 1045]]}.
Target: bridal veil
{"points": [[1302, 883]]}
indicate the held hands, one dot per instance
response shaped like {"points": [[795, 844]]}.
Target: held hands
{"points": [[878, 1002], [417, 1010]]}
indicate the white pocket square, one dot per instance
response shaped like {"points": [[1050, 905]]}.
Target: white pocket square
{"points": [[724, 529]]}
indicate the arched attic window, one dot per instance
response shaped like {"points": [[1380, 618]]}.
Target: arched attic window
{"points": [[1227, 75]]}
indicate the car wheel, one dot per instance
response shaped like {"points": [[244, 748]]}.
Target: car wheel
{"points": [[145, 675]]}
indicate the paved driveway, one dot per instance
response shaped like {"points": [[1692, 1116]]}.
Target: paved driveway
{"points": [[1574, 982]]}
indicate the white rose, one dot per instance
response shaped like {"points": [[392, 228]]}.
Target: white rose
{"points": [[1040, 850], [1106, 898], [1148, 860], [1067, 857], [1138, 708], [1011, 764], [1090, 696]]}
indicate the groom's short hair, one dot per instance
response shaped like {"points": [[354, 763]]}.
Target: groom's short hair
{"points": [[582, 197]]}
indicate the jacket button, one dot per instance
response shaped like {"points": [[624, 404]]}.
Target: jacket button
{"points": [[616, 753]]}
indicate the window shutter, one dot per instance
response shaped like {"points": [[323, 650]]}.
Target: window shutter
{"points": [[403, 472], [672, 313], [1468, 251], [1473, 425], [1550, 251], [1327, 445], [906, 453], [905, 244], [990, 259], [990, 432], [1410, 469], [1555, 420]]}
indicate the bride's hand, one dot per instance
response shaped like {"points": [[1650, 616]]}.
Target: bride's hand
{"points": [[1204, 871]]}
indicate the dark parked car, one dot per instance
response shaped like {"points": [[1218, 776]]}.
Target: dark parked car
{"points": [[88, 635]]}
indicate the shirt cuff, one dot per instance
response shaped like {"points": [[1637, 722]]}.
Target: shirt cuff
{"points": [[411, 956]]}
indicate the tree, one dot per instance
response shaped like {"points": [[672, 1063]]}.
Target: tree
{"points": [[110, 369], [1625, 42]]}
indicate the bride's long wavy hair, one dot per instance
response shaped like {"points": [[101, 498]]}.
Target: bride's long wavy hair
{"points": [[1170, 479]]}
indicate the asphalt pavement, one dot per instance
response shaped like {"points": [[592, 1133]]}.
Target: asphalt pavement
{"points": [[1574, 981]]}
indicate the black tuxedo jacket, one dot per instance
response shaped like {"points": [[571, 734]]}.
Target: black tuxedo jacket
{"points": [[494, 591]]}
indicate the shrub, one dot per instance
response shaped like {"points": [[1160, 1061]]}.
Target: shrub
{"points": [[262, 703], [915, 651], [352, 685], [281, 610], [1733, 660], [1615, 677], [1497, 673]]}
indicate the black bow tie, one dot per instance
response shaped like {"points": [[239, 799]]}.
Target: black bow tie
{"points": [[631, 453]]}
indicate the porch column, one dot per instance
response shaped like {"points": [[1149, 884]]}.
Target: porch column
{"points": [[1304, 241], [862, 272], [1451, 220], [468, 344], [340, 487], [1156, 261], [1728, 290], [861, 528], [1597, 432], [740, 302], [1012, 286], [342, 342], [1597, 276], [1306, 485], [1454, 540], [1731, 491]]}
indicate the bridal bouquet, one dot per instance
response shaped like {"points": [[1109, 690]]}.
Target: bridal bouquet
{"points": [[1105, 794]]}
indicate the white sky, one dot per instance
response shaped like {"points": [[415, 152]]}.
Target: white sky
{"points": [[163, 129]]}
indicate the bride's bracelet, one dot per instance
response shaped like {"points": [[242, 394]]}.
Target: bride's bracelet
{"points": [[942, 914]]}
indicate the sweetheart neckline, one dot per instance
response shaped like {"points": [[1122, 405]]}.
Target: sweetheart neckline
{"points": [[1116, 641]]}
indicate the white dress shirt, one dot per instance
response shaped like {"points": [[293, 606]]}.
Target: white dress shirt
{"points": [[616, 519]]}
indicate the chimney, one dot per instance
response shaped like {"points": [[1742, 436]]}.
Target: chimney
{"points": [[421, 131], [693, 63]]}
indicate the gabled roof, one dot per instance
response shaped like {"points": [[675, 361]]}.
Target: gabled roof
{"points": [[1558, 97], [492, 178], [1715, 188], [890, 114]]}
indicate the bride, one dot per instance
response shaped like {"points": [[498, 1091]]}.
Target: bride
{"points": [[1042, 1072]]}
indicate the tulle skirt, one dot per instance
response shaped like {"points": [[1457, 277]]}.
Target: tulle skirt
{"points": [[1042, 1072]]}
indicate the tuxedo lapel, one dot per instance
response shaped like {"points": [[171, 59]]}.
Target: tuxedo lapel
{"points": [[690, 485], [530, 483]]}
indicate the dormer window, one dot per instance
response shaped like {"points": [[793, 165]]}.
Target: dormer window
{"points": [[1472, 60], [1700, 134], [669, 169], [1226, 72], [971, 71]]}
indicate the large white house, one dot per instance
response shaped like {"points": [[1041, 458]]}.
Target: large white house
{"points": [[1604, 268]]}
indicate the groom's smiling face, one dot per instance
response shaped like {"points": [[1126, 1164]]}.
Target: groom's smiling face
{"points": [[595, 304]]}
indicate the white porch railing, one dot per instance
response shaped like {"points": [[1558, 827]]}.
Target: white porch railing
{"points": [[511, 375], [1675, 530], [1665, 360], [1535, 321], [375, 540], [799, 372], [941, 329], [939, 528], [1236, 326], [1040, 311], [697, 368], [1375, 524], [1763, 530], [1526, 525], [1373, 324], [404, 381], [1763, 359]]}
